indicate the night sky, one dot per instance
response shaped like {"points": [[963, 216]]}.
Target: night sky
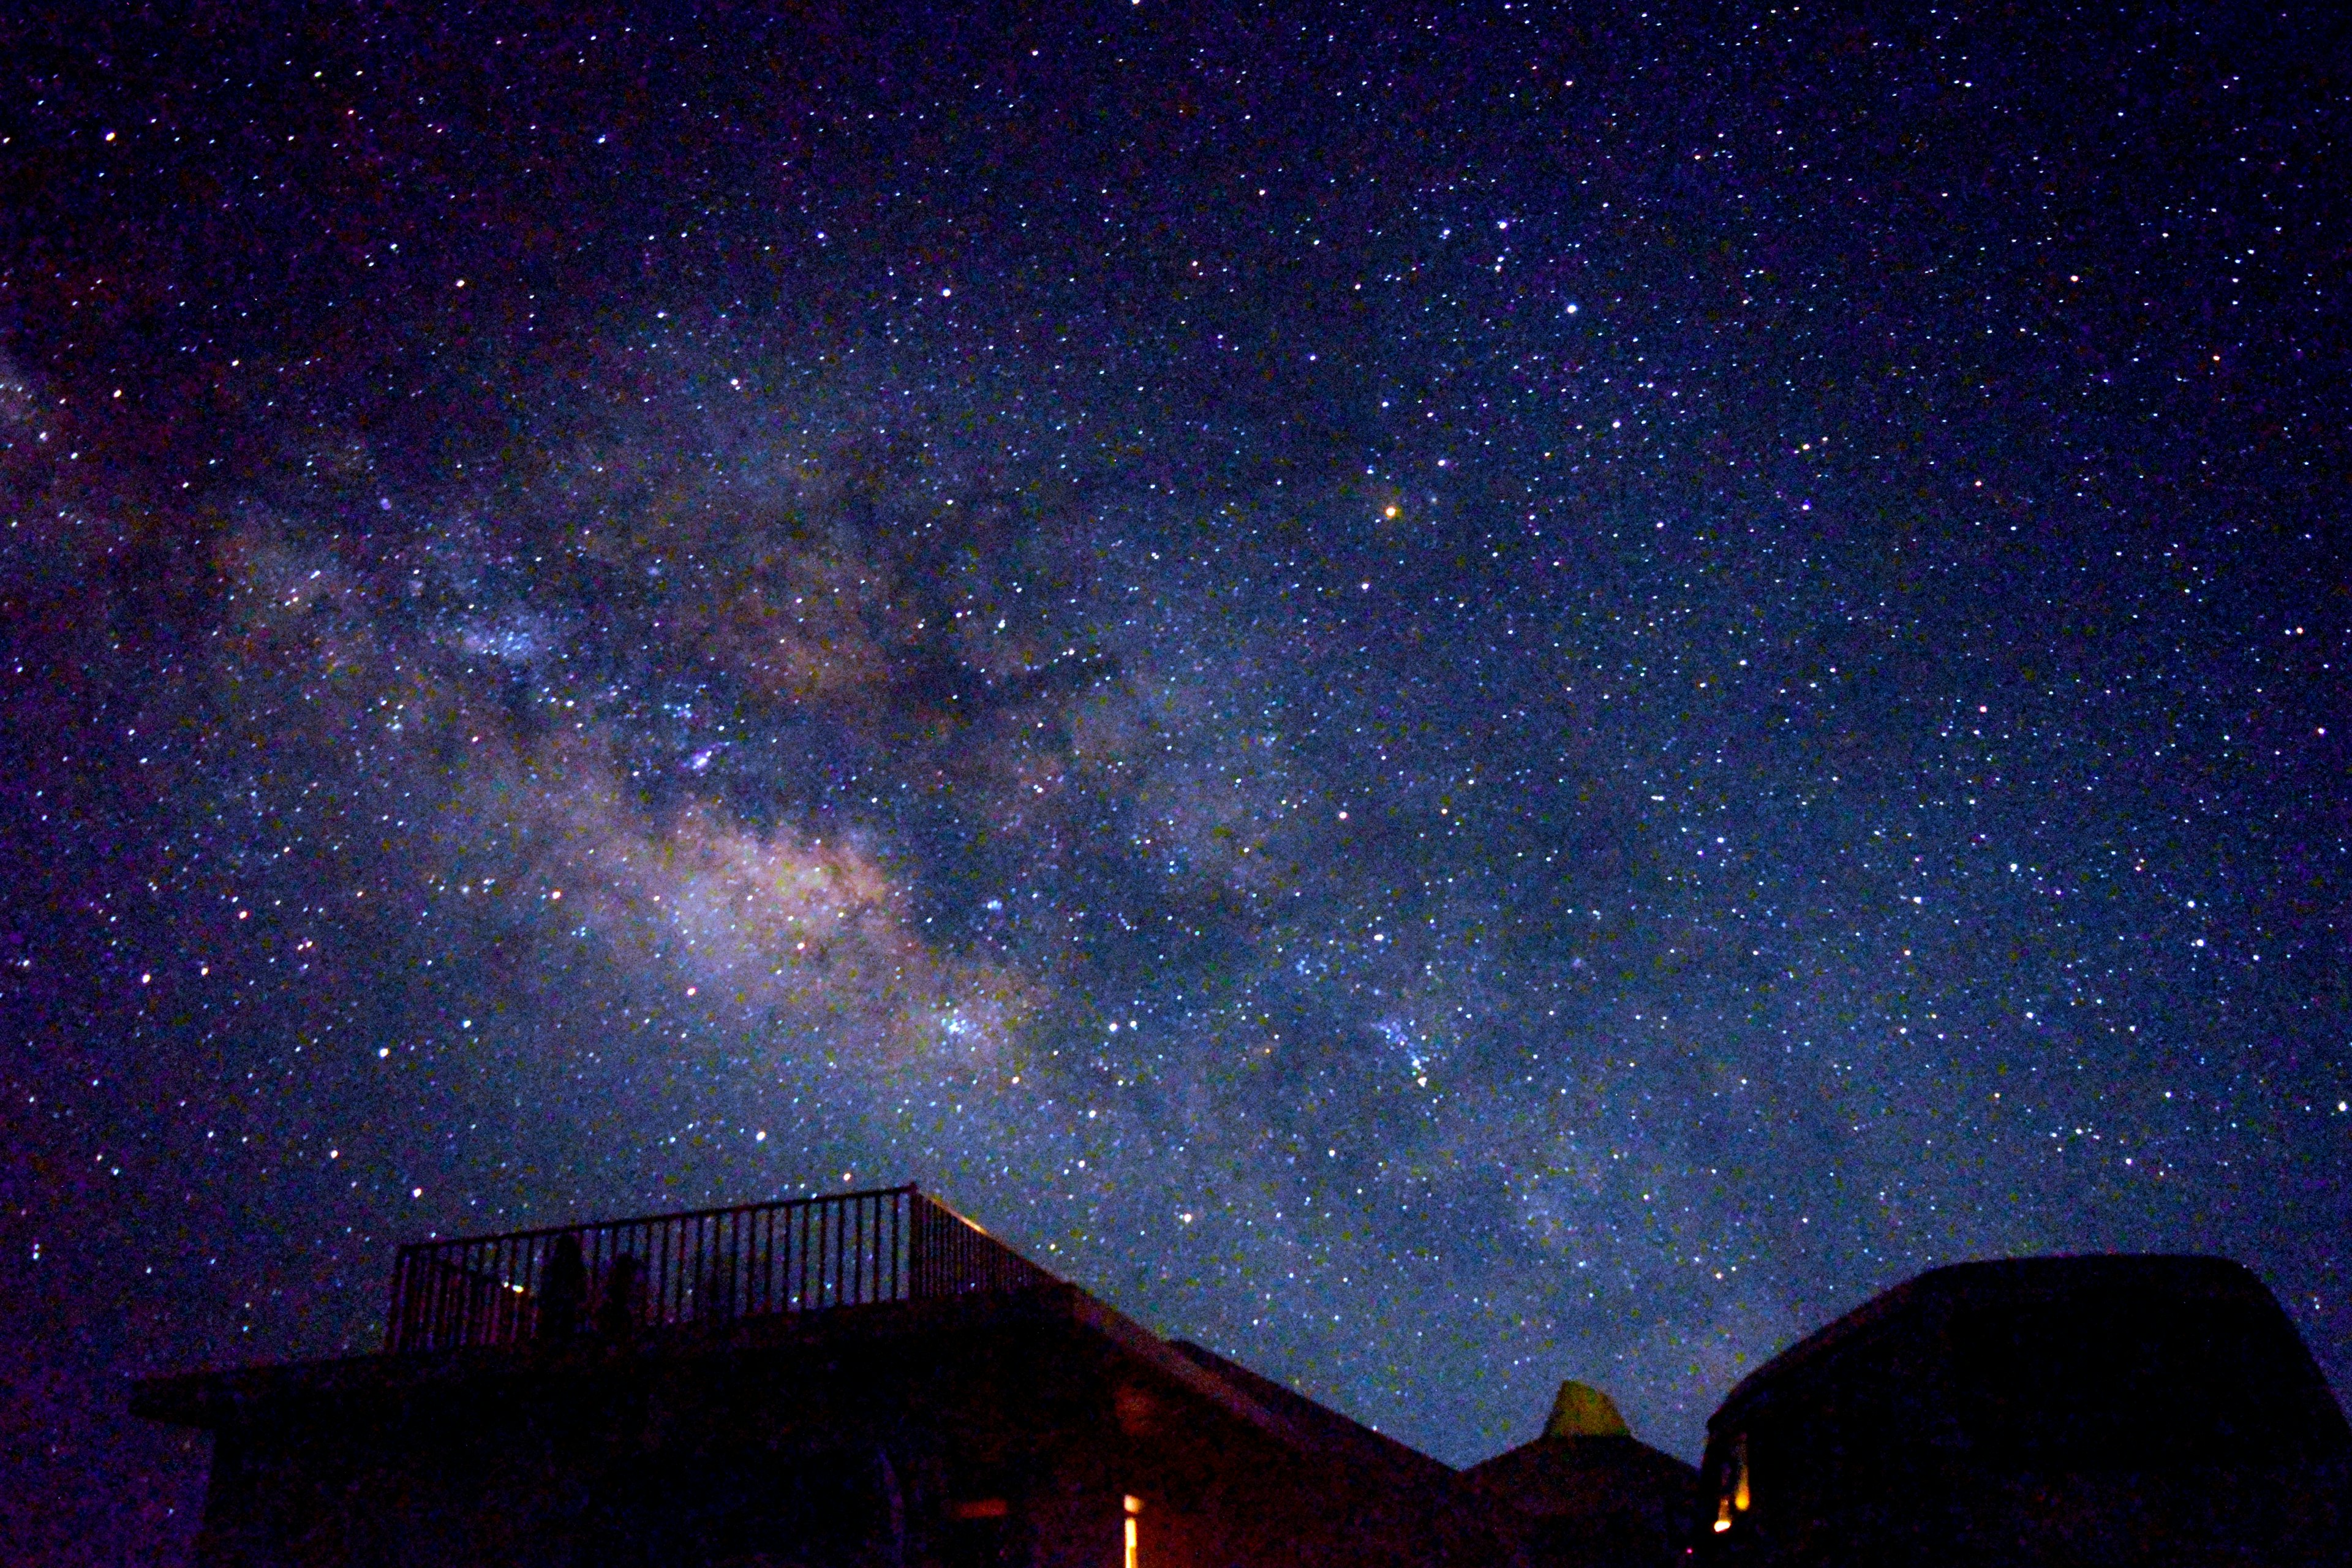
{"points": [[1448, 699]]}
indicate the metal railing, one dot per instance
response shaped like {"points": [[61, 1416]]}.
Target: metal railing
{"points": [[710, 1267]]}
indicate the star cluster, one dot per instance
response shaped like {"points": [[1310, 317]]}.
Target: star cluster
{"points": [[1447, 698]]}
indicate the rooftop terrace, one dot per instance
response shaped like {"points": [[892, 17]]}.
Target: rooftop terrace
{"points": [[709, 1266]]}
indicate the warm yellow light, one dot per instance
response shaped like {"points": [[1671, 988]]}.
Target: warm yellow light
{"points": [[1721, 1525], [1392, 511], [1130, 1539]]}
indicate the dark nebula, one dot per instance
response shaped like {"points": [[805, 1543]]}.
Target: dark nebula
{"points": [[1448, 698]]}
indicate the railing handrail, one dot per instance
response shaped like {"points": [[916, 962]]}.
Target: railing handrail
{"points": [[710, 1265], [550, 1232]]}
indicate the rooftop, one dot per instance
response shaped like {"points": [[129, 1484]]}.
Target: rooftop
{"points": [[833, 1271]]}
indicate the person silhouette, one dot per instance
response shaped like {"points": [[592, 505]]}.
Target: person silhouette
{"points": [[617, 1314], [563, 1290]]}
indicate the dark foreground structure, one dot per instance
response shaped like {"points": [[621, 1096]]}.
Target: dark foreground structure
{"points": [[2103, 1410], [1587, 1493], [866, 1381], [870, 1380]]}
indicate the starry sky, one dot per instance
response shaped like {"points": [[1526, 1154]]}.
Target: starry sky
{"points": [[1446, 695]]}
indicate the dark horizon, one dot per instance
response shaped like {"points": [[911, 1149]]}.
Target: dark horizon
{"points": [[1448, 699]]}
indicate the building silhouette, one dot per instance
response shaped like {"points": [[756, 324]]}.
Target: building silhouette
{"points": [[2117, 1410], [1587, 1493], [860, 1380]]}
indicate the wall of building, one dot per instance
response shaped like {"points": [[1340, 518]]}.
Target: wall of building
{"points": [[995, 1448]]}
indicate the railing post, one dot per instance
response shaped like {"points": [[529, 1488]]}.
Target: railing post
{"points": [[395, 1318]]}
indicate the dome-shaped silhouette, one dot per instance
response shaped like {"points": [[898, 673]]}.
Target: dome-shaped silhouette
{"points": [[1583, 1410], [1589, 1494]]}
